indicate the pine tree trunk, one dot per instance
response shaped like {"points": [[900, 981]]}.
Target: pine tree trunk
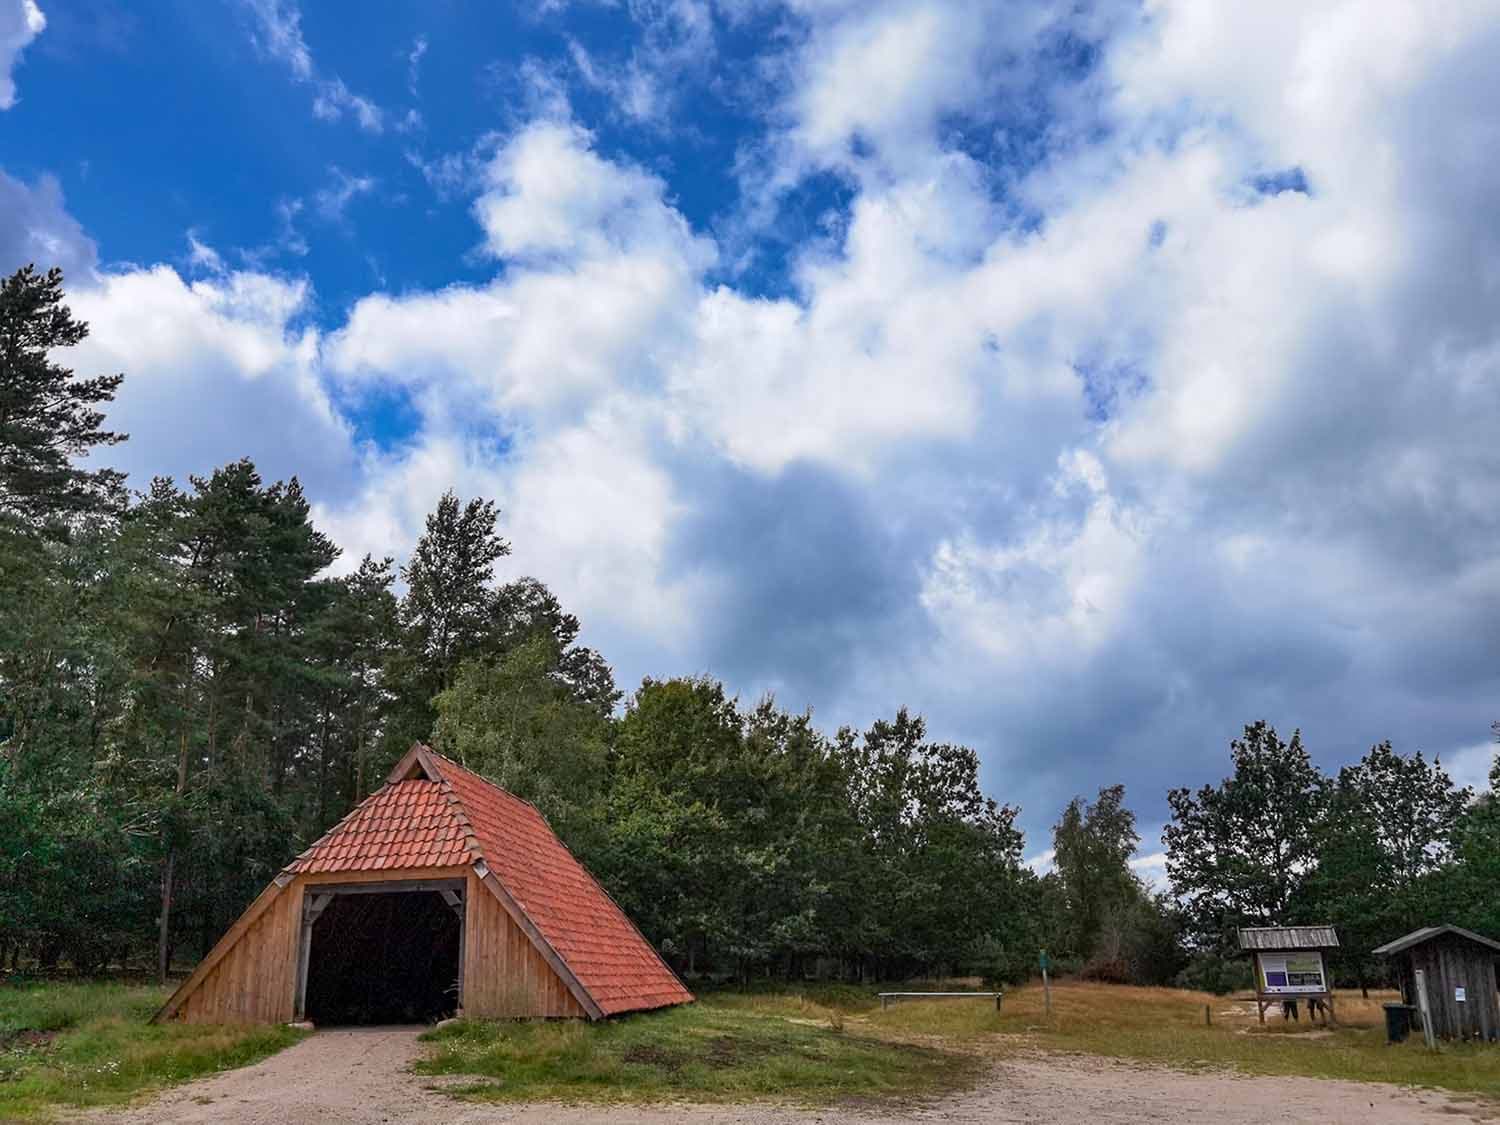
{"points": [[164, 931], [163, 944]]}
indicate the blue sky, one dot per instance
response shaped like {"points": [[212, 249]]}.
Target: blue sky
{"points": [[1093, 376]]}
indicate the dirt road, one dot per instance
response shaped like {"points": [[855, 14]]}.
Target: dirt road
{"points": [[360, 1077]]}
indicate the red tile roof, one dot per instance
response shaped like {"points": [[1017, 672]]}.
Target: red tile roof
{"points": [[403, 824], [459, 818]]}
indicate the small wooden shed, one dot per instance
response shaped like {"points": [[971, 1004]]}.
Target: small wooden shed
{"points": [[440, 893], [1289, 964], [1458, 973]]}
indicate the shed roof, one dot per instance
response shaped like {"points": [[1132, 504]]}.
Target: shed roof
{"points": [[1427, 933], [1273, 938], [433, 812]]}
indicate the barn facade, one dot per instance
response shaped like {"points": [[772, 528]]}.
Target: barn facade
{"points": [[440, 893], [1457, 969]]}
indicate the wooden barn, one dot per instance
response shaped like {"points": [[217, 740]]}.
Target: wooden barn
{"points": [[440, 893], [1289, 964], [1457, 968]]}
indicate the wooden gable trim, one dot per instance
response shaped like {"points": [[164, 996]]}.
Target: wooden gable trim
{"points": [[519, 916], [416, 762], [222, 947]]}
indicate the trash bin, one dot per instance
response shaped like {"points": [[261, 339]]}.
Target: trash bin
{"points": [[1397, 1022]]}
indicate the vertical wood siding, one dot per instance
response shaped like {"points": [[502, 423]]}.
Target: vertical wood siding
{"points": [[504, 975], [253, 982], [1450, 962]]}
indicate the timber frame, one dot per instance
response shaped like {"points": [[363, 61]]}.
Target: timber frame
{"points": [[318, 896]]}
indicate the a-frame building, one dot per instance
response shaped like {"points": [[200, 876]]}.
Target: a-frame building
{"points": [[440, 892]]}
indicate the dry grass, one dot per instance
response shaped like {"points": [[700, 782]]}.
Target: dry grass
{"points": [[1166, 1026]]}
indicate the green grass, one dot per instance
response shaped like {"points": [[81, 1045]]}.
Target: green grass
{"points": [[722, 1049], [88, 1044], [1166, 1026]]}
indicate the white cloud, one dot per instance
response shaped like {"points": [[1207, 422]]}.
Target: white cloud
{"points": [[278, 34], [1469, 766], [1145, 451], [35, 227], [21, 21], [549, 195], [602, 276], [332, 201], [1058, 593], [215, 370], [414, 63]]}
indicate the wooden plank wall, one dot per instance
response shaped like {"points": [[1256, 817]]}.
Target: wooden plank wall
{"points": [[1451, 962], [254, 981], [504, 975]]}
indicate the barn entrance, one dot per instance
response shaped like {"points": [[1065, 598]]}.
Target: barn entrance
{"points": [[381, 953]]}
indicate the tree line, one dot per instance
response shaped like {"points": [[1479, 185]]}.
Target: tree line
{"points": [[188, 697]]}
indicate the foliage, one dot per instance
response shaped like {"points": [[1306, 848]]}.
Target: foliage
{"points": [[1238, 852], [1390, 826], [517, 722], [48, 417], [189, 694]]}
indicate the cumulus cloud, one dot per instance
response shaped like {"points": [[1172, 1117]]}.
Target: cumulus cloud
{"points": [[1171, 427], [601, 274], [21, 21], [215, 370], [1143, 385]]}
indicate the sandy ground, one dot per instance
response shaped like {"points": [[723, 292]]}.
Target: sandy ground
{"points": [[360, 1077]]}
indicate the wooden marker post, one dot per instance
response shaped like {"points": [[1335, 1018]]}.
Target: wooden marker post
{"points": [[1046, 984], [1421, 990]]}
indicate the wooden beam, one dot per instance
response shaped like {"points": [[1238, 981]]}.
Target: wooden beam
{"points": [[543, 946], [320, 879], [389, 887]]}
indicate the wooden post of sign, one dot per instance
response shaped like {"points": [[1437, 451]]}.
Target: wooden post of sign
{"points": [[1421, 990]]}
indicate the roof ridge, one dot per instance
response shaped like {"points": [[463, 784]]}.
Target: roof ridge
{"points": [[492, 784], [461, 814]]}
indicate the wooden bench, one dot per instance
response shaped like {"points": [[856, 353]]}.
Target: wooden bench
{"points": [[887, 997]]}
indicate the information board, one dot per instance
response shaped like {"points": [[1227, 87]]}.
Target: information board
{"points": [[1292, 973]]}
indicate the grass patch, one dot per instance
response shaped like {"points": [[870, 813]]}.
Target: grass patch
{"points": [[1166, 1026], [88, 1044], [723, 1049]]}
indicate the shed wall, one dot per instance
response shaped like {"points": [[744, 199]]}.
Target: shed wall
{"points": [[1450, 962], [253, 982], [504, 975]]}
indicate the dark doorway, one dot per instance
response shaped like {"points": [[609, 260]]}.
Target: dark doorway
{"points": [[383, 958]]}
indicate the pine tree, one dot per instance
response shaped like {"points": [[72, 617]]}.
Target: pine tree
{"points": [[48, 417]]}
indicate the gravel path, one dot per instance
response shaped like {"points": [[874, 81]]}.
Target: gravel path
{"points": [[360, 1077]]}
